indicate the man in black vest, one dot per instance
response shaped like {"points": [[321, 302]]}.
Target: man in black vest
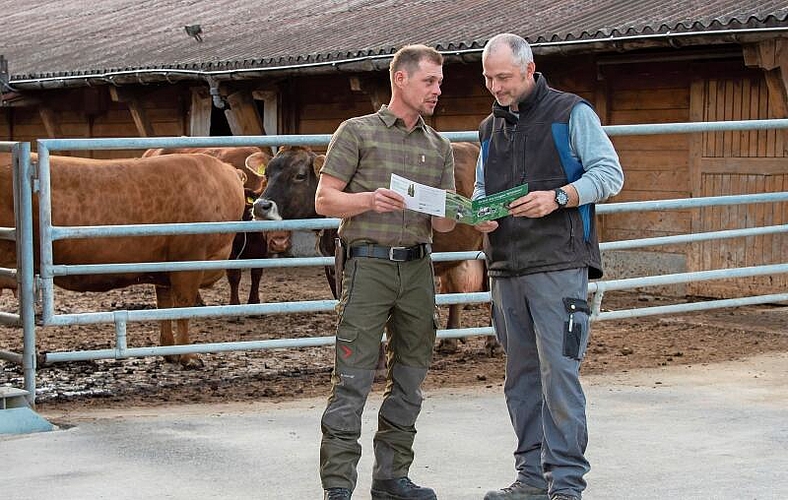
{"points": [[540, 259]]}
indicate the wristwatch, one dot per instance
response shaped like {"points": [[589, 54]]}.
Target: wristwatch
{"points": [[561, 197]]}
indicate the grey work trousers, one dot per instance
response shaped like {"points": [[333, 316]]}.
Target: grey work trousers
{"points": [[542, 387], [401, 297]]}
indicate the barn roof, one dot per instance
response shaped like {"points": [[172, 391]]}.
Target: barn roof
{"points": [[80, 42]]}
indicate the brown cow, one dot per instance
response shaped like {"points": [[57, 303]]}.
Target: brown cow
{"points": [[177, 188], [250, 160], [290, 193]]}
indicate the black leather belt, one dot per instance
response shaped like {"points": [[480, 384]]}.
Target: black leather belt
{"points": [[396, 254]]}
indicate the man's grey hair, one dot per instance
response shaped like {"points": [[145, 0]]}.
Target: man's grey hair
{"points": [[521, 50]]}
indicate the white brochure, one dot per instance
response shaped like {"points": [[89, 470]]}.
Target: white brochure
{"points": [[418, 197]]}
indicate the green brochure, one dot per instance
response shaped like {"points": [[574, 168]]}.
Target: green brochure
{"points": [[490, 207]]}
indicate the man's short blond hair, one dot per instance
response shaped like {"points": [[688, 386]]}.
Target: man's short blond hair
{"points": [[408, 58]]}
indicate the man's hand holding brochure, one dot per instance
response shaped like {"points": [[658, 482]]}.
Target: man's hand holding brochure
{"points": [[444, 203]]}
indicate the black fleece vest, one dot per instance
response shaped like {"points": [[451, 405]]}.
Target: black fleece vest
{"points": [[535, 149]]}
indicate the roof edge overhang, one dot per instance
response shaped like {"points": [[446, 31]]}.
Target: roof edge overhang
{"points": [[377, 62]]}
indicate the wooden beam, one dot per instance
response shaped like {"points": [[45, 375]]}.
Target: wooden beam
{"points": [[50, 122], [379, 94], [200, 113], [136, 108], [243, 116], [270, 100], [772, 57]]}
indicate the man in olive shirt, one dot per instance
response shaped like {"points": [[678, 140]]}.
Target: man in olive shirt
{"points": [[388, 276]]}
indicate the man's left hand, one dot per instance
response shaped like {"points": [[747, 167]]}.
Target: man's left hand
{"points": [[534, 205]]}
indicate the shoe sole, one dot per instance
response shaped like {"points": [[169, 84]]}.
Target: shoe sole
{"points": [[382, 495]]}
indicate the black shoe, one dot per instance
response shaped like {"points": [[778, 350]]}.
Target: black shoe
{"points": [[400, 489], [336, 494]]}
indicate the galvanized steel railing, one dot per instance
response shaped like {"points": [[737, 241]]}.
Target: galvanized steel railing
{"points": [[49, 233]]}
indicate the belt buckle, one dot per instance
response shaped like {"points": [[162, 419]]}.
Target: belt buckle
{"points": [[393, 250]]}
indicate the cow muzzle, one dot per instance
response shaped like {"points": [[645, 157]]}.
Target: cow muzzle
{"points": [[264, 209]]}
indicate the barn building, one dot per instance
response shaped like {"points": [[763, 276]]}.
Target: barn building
{"points": [[199, 68]]}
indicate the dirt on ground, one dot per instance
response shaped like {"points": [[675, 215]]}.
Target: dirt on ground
{"points": [[282, 374]]}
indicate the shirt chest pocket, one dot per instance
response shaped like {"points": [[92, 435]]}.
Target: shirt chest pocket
{"points": [[425, 167]]}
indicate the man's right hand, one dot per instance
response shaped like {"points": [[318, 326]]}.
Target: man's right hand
{"points": [[386, 200]]}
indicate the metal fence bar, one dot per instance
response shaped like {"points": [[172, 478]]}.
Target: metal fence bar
{"points": [[441, 299], [691, 306], [65, 232], [323, 139], [676, 278], [80, 269], [48, 234], [678, 204], [22, 235], [691, 238]]}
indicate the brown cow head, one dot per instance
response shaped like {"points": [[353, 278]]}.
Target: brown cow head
{"points": [[291, 184]]}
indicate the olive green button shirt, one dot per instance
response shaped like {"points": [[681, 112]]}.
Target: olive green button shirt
{"points": [[365, 151]]}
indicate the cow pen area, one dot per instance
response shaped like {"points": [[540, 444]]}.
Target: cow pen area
{"points": [[99, 348]]}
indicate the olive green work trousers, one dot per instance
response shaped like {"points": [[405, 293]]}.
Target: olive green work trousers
{"points": [[378, 293]]}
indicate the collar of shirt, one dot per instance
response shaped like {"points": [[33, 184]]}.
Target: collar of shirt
{"points": [[390, 119]]}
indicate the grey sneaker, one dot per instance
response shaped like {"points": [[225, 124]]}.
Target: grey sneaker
{"points": [[518, 491], [563, 496]]}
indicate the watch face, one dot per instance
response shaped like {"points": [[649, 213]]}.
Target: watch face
{"points": [[561, 197]]}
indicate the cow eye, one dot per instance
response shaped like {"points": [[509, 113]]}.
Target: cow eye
{"points": [[300, 176]]}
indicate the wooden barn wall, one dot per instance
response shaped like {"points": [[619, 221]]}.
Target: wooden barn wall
{"points": [[622, 92], [732, 163], [91, 112]]}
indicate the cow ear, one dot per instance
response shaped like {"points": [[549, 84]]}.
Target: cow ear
{"points": [[257, 162], [317, 164]]}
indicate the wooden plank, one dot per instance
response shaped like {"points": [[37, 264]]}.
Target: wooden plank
{"points": [[763, 112], [455, 123], [602, 101], [744, 136], [200, 110], [50, 121], [654, 99], [654, 160], [336, 110], [696, 143], [140, 117], [134, 102], [243, 117], [626, 117], [736, 103], [739, 165], [475, 107], [719, 115], [676, 179], [666, 142], [677, 221], [270, 101], [317, 126]]}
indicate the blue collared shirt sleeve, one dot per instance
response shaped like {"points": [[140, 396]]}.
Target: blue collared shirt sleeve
{"points": [[603, 176]]}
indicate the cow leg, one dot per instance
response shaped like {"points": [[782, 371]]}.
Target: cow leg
{"points": [[466, 277], [164, 301], [185, 286], [234, 279], [254, 290]]}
